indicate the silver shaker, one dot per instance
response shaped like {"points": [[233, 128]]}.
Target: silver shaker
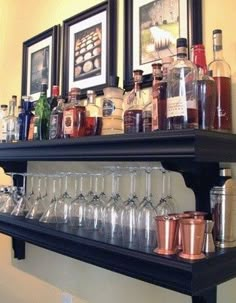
{"points": [[208, 244]]}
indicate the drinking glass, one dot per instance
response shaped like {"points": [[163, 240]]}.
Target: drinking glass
{"points": [[146, 215], [37, 208], [165, 206], [78, 205], [19, 195], [8, 202], [94, 209]]}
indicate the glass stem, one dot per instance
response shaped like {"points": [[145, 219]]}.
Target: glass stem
{"points": [[148, 184], [164, 195]]}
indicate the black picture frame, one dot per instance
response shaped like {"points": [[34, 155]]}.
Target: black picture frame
{"points": [[194, 36], [82, 58], [40, 62]]}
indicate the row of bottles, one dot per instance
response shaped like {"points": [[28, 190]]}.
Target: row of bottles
{"points": [[185, 94]]}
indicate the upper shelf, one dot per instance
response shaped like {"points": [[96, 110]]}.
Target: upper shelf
{"points": [[196, 145]]}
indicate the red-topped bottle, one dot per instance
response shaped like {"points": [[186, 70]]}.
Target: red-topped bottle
{"points": [[206, 89], [221, 72]]}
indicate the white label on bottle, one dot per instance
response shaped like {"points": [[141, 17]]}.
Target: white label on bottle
{"points": [[176, 106], [4, 130], [192, 104]]}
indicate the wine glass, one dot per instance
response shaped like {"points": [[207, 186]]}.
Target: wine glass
{"points": [[37, 208], [19, 195], [78, 205], [146, 215], [164, 206]]}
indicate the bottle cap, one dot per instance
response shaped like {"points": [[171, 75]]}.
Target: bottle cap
{"points": [[44, 87], [91, 92], [55, 90], [137, 74], [75, 90], [217, 31], [225, 172], [4, 106], [181, 42]]}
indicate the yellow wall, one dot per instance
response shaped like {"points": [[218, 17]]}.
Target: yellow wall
{"points": [[44, 275]]}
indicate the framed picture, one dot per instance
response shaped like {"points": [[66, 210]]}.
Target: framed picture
{"points": [[41, 62], [151, 30], [89, 49]]}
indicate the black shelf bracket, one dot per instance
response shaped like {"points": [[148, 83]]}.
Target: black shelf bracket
{"points": [[18, 247], [208, 296]]}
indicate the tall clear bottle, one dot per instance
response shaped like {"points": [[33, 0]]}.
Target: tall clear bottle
{"points": [[3, 125], [182, 109], [133, 116], [12, 123], [93, 115], [221, 72], [42, 115], [206, 89], [156, 78]]}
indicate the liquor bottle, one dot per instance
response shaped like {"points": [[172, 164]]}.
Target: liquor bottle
{"points": [[3, 126], [55, 93], [156, 78], [162, 98], [182, 109], [42, 115], [133, 122], [93, 115], [26, 117], [221, 72], [74, 118], [20, 121], [112, 108], [11, 122], [206, 89], [56, 120]]}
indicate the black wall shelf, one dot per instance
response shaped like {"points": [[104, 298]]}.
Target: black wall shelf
{"points": [[194, 153]]}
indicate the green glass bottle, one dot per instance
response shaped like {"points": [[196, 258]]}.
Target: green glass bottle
{"points": [[42, 115]]}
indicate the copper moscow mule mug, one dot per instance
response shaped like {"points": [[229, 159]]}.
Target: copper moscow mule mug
{"points": [[196, 214], [192, 231], [167, 233]]}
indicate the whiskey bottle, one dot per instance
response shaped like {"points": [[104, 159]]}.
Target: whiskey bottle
{"points": [[221, 72], [55, 93], [156, 78], [206, 89], [182, 109], [93, 115], [133, 116], [56, 120]]}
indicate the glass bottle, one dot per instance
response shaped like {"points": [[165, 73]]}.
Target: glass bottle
{"points": [[221, 72], [162, 99], [156, 78], [133, 122], [182, 109], [93, 115], [26, 117], [55, 95], [11, 122], [56, 120], [42, 115], [112, 108], [20, 121], [74, 119], [3, 126], [206, 89]]}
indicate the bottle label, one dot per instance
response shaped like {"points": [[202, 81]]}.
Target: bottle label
{"points": [[68, 121], [10, 126], [4, 130], [176, 106], [36, 128], [53, 127], [108, 108], [133, 122]]}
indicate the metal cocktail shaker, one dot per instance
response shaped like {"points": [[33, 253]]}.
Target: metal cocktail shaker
{"points": [[223, 209]]}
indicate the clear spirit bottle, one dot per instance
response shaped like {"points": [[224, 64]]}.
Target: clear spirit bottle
{"points": [[11, 123]]}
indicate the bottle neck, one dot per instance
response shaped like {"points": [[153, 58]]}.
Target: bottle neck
{"points": [[91, 100], [199, 59], [12, 109], [218, 53]]}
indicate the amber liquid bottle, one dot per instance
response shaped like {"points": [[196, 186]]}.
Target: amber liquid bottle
{"points": [[206, 89], [93, 115], [133, 116], [221, 73], [156, 76]]}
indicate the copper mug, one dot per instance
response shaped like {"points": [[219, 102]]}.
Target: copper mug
{"points": [[196, 214], [167, 234], [192, 231]]}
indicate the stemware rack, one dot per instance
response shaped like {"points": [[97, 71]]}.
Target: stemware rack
{"points": [[194, 153]]}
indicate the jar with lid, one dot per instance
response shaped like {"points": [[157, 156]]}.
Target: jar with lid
{"points": [[112, 108]]}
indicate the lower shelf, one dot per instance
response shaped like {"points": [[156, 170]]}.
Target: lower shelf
{"points": [[191, 278]]}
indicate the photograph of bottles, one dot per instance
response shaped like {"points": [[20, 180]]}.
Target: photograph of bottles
{"points": [[12, 134], [55, 94], [74, 119], [56, 120], [221, 72], [156, 78], [42, 115], [206, 89], [162, 87], [133, 122], [3, 126], [182, 109], [93, 115], [112, 108]]}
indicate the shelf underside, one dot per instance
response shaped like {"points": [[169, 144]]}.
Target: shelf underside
{"points": [[197, 145], [191, 278]]}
